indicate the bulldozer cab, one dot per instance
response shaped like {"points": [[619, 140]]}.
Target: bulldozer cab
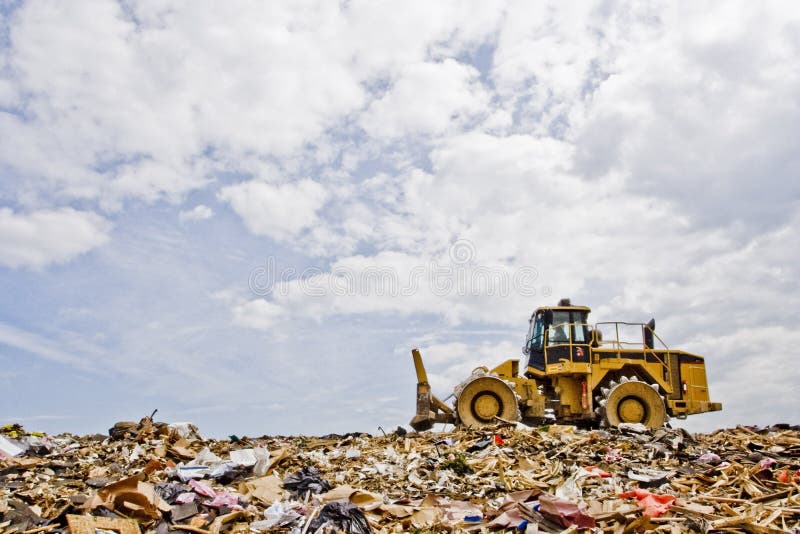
{"points": [[555, 333]]}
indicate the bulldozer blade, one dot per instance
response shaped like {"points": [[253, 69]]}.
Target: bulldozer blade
{"points": [[430, 409], [424, 418], [421, 426]]}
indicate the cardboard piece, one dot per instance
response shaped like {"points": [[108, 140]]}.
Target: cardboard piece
{"points": [[87, 524], [267, 489], [132, 498]]}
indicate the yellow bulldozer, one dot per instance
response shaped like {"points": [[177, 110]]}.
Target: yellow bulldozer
{"points": [[589, 375]]}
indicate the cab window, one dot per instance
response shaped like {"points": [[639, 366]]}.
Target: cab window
{"points": [[579, 326], [558, 332], [535, 337], [568, 326]]}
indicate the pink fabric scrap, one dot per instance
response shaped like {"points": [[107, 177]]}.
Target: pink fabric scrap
{"points": [[202, 489], [184, 498], [223, 498]]}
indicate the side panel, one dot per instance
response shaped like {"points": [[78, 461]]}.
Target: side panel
{"points": [[575, 400], [697, 385], [694, 390]]}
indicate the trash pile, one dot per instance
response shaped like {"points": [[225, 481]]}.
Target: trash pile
{"points": [[159, 478]]}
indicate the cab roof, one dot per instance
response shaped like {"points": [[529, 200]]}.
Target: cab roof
{"points": [[577, 308], [564, 305]]}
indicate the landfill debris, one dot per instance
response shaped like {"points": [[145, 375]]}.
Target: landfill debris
{"points": [[156, 478]]}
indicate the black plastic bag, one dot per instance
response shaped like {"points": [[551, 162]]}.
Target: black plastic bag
{"points": [[341, 515], [305, 480], [169, 491]]}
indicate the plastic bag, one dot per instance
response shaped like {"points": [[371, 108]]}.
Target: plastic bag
{"points": [[341, 516], [262, 461], [279, 514], [307, 479], [11, 448]]}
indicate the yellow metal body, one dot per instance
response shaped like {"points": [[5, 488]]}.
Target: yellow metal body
{"points": [[568, 382]]}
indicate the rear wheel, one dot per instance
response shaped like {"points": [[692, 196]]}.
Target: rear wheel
{"points": [[633, 402], [485, 398]]}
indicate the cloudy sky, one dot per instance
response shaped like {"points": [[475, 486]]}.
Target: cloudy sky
{"points": [[245, 214]]}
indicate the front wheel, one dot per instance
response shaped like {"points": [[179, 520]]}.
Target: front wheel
{"points": [[485, 398], [633, 402]]}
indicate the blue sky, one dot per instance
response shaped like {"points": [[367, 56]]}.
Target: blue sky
{"points": [[156, 157]]}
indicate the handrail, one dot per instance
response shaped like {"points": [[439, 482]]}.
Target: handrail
{"points": [[618, 345], [614, 343]]}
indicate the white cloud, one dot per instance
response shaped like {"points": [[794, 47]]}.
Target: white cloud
{"points": [[177, 92], [125, 122], [427, 99], [478, 191], [197, 213], [757, 384], [7, 93], [699, 109], [640, 157], [37, 346], [42, 237], [385, 39], [151, 181], [278, 211], [258, 314]]}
